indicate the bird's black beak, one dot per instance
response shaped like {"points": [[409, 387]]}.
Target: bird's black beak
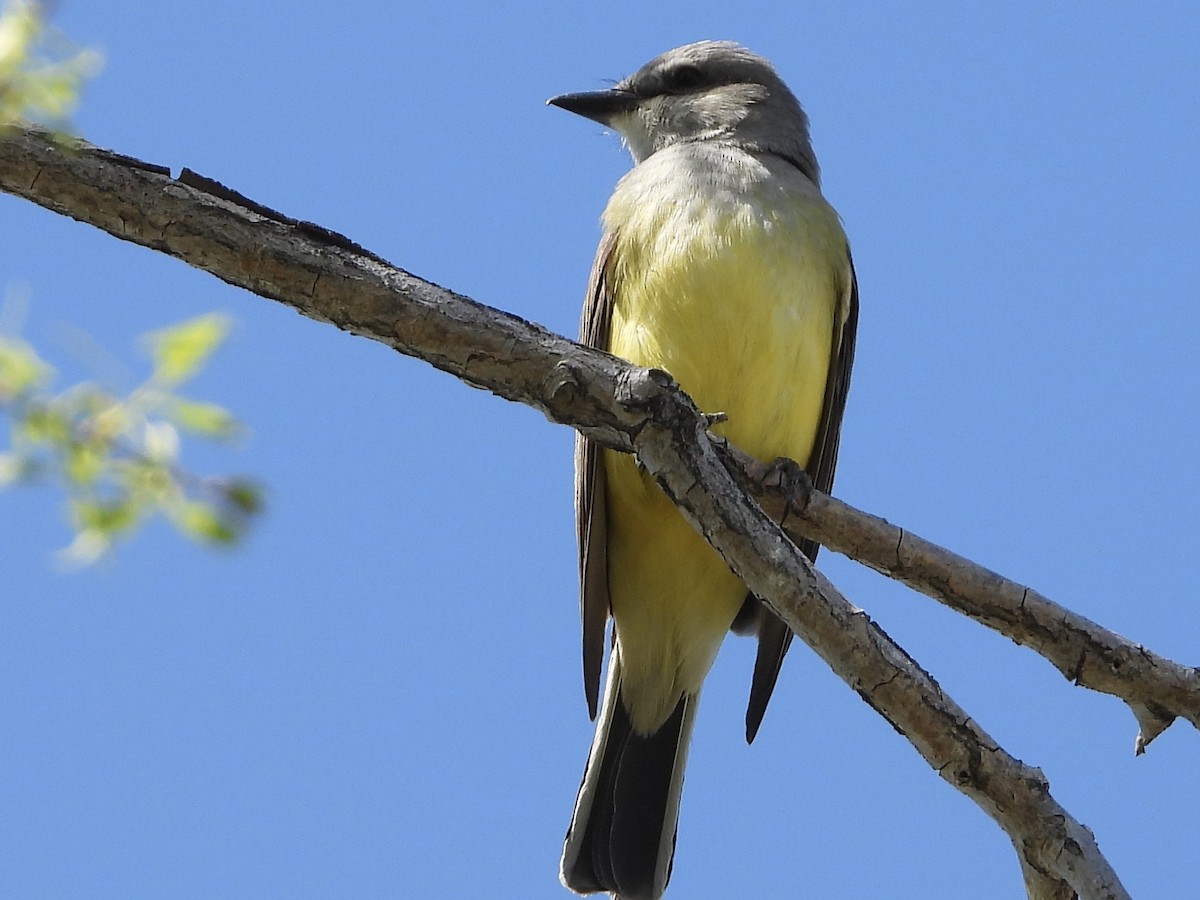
{"points": [[599, 106]]}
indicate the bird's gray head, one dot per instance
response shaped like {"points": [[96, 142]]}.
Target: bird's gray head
{"points": [[707, 91]]}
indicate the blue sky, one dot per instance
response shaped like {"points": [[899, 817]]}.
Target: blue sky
{"points": [[379, 695]]}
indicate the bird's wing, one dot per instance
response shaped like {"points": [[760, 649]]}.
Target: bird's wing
{"points": [[774, 637], [590, 515]]}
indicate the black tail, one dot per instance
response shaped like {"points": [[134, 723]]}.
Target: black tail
{"points": [[622, 835]]}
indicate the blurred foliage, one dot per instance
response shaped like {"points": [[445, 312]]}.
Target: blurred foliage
{"points": [[118, 457], [41, 71]]}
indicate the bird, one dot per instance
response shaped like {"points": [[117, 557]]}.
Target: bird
{"points": [[721, 263]]}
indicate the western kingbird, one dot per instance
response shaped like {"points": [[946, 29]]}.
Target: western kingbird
{"points": [[722, 264]]}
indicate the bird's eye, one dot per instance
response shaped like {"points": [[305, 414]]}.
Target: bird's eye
{"points": [[684, 78]]}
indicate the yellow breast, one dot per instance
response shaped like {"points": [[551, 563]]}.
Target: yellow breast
{"points": [[729, 278]]}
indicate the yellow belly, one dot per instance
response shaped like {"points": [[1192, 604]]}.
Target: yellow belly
{"points": [[740, 308]]}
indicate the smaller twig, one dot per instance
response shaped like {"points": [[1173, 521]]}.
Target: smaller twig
{"points": [[1156, 689]]}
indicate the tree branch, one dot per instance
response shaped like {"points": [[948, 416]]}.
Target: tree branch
{"points": [[1156, 689], [327, 277]]}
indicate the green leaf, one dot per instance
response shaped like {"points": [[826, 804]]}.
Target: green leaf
{"points": [[245, 496], [104, 517], [84, 461], [204, 522], [21, 369], [145, 480], [19, 26], [207, 419], [180, 351], [112, 419], [44, 425]]}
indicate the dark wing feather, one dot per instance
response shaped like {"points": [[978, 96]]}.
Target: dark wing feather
{"points": [[774, 637], [590, 514]]}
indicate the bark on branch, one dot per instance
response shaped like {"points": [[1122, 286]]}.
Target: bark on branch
{"points": [[327, 277], [1156, 689]]}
